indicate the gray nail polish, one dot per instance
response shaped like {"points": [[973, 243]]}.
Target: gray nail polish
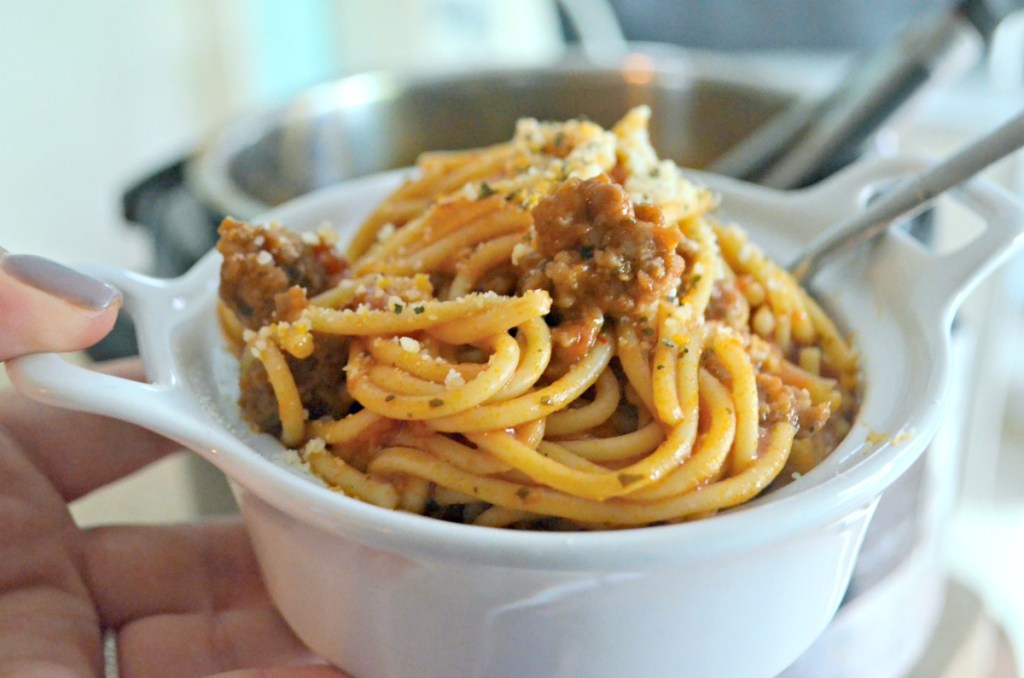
{"points": [[60, 281]]}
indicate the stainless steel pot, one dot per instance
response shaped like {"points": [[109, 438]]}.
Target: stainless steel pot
{"points": [[370, 122]]}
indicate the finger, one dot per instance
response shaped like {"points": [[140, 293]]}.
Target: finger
{"points": [[137, 571], [207, 643], [48, 307], [187, 600], [80, 452], [47, 619]]}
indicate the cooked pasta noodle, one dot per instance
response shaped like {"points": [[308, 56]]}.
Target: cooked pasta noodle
{"points": [[551, 333]]}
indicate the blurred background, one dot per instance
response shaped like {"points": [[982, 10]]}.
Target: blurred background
{"points": [[164, 112]]}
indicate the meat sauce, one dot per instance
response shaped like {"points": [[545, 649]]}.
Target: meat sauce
{"points": [[261, 263], [592, 249], [598, 255], [266, 276]]}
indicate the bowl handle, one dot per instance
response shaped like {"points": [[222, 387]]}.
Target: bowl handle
{"points": [[51, 379], [157, 405], [942, 280]]}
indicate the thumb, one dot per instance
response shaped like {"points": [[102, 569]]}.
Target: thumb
{"points": [[45, 306]]}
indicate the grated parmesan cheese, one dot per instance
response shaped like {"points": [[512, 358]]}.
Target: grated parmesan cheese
{"points": [[519, 251], [313, 446], [453, 379]]}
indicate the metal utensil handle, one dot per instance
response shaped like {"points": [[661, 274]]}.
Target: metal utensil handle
{"points": [[808, 139], [597, 28], [913, 193]]}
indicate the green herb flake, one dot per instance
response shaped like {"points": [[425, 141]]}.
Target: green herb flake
{"points": [[648, 331], [389, 397], [399, 308], [418, 309], [668, 343], [523, 493], [435, 402], [486, 191], [546, 401], [587, 252], [627, 479]]}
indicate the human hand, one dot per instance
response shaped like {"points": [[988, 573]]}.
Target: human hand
{"points": [[183, 600]]}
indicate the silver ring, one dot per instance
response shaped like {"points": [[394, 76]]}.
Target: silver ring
{"points": [[110, 663]]}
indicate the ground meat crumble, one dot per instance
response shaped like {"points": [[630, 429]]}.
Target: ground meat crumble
{"points": [[263, 262], [266, 277], [593, 250]]}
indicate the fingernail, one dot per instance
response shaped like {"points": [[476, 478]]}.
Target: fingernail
{"points": [[60, 281]]}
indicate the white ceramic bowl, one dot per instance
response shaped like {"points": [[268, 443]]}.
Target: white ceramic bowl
{"points": [[389, 594]]}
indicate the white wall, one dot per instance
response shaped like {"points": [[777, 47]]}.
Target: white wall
{"points": [[94, 95]]}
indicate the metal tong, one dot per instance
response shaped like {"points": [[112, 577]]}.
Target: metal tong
{"points": [[812, 139]]}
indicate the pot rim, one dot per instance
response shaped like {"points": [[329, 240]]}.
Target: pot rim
{"points": [[206, 168]]}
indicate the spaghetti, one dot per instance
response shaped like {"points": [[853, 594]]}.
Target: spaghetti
{"points": [[552, 332]]}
